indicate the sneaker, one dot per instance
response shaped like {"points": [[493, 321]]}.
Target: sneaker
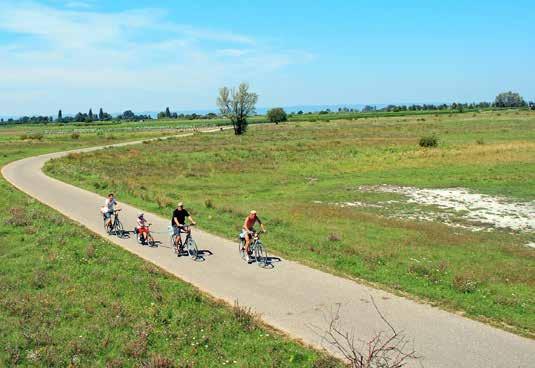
{"points": [[249, 259]]}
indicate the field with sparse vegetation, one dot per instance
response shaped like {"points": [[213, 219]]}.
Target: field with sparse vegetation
{"points": [[71, 299], [302, 176]]}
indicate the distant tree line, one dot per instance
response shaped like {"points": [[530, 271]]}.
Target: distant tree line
{"points": [[167, 114], [241, 103], [78, 118]]}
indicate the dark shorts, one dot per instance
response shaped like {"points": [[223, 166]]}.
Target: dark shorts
{"points": [[178, 229], [107, 215]]}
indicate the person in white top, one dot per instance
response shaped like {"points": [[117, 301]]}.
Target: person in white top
{"points": [[110, 206]]}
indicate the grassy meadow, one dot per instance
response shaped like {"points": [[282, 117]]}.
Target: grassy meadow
{"points": [[292, 172], [70, 299]]}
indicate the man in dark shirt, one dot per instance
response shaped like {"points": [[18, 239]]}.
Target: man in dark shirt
{"points": [[180, 214]]}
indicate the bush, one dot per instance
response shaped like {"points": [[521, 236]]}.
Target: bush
{"points": [[208, 203], [465, 283], [277, 115], [75, 135], [36, 136], [429, 141]]}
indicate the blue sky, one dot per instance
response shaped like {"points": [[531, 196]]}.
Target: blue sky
{"points": [[146, 55]]}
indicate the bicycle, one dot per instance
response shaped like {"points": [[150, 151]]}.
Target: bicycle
{"points": [[149, 240], [178, 244], [116, 227], [256, 248]]}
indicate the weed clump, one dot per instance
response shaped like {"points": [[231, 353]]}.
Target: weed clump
{"points": [[34, 136], [75, 135], [245, 316], [334, 237], [208, 203], [465, 283], [428, 141], [17, 217]]}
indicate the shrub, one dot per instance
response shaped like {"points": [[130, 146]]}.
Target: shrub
{"points": [[334, 237], [465, 283], [18, 217], [480, 141], [428, 141], [245, 316], [35, 136], [208, 203], [75, 135]]}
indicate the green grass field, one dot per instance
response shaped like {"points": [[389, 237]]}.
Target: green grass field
{"points": [[291, 173], [71, 299]]}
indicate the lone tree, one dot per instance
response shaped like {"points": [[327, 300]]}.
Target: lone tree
{"points": [[60, 116], [236, 105], [167, 112], [509, 99], [277, 115], [101, 114]]}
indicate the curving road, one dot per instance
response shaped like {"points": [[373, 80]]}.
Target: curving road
{"points": [[291, 297]]}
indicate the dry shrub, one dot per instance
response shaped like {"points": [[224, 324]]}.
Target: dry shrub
{"points": [[90, 251], [158, 361], [163, 201], [156, 290], [334, 237], [39, 279], [384, 350], [151, 269], [18, 217], [138, 347], [115, 363], [465, 283], [245, 316], [326, 362]]}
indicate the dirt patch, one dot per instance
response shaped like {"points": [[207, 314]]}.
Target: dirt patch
{"points": [[456, 207]]}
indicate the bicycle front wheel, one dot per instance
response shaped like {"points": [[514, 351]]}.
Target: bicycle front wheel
{"points": [[150, 240], [193, 251], [119, 231], [260, 253]]}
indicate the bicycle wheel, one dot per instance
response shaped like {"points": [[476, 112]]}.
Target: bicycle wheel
{"points": [[193, 251], [150, 240], [241, 248], [260, 254], [107, 228], [119, 231]]}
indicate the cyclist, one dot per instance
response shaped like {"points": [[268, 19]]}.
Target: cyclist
{"points": [[110, 206], [178, 221], [248, 230], [142, 228]]}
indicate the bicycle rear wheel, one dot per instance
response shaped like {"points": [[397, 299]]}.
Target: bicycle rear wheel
{"points": [[193, 251], [260, 254], [241, 248], [107, 228], [175, 244]]}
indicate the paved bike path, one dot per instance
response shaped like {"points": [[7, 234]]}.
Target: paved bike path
{"points": [[291, 297]]}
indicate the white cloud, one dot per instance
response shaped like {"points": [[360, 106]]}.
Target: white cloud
{"points": [[79, 56]]}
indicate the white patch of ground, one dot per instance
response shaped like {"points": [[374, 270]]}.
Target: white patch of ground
{"points": [[498, 212], [456, 207]]}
